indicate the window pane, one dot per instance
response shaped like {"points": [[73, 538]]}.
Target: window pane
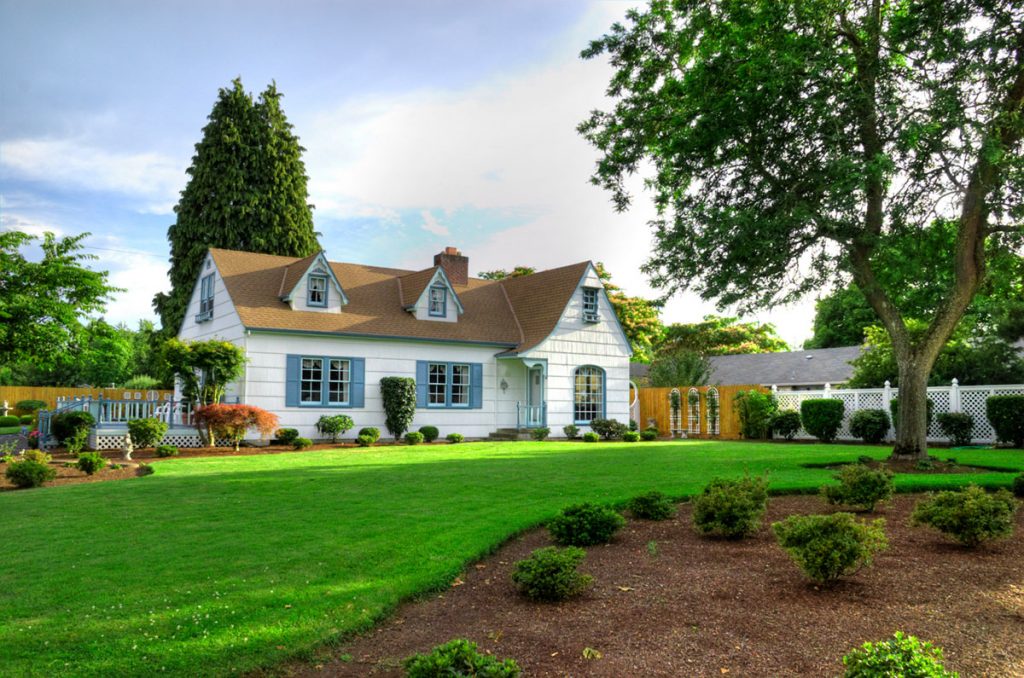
{"points": [[311, 383], [317, 288], [460, 384], [437, 299], [338, 381], [437, 379], [589, 394]]}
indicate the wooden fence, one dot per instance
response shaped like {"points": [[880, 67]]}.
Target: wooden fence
{"points": [[655, 404], [49, 394]]}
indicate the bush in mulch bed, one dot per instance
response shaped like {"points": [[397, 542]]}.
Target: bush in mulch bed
{"points": [[459, 657], [90, 462], [970, 516], [302, 443], [551, 574], [585, 525], [29, 473], [859, 485], [651, 506], [1018, 486], [731, 508], [827, 547], [903, 656]]}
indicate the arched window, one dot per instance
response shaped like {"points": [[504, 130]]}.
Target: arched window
{"points": [[588, 394]]}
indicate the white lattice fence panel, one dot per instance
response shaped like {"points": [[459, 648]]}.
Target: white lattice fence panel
{"points": [[182, 440], [692, 405], [849, 400], [972, 402], [940, 397]]}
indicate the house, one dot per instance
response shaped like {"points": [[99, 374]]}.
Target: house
{"points": [[539, 350], [789, 370]]}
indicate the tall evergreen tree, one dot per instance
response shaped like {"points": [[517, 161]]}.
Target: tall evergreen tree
{"points": [[246, 191]]}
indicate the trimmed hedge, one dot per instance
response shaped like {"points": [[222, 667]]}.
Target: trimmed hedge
{"points": [[90, 462], [870, 425], [454, 438], [30, 406], [585, 525], [9, 420], [551, 574], [302, 443], [28, 473], [414, 437], [631, 436], [164, 451], [652, 506], [590, 437], [732, 509], [969, 516], [430, 433], [827, 547], [822, 417], [786, 424], [66, 424], [146, 432], [372, 431], [286, 436], [958, 426], [861, 486], [1006, 414]]}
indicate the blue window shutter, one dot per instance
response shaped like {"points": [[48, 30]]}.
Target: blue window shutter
{"points": [[292, 373], [358, 382], [476, 386], [421, 383]]}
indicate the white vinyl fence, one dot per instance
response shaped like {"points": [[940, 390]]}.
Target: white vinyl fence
{"points": [[952, 398]]}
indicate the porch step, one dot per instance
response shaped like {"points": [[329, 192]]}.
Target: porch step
{"points": [[509, 434]]}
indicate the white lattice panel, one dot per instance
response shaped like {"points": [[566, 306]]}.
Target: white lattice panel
{"points": [[692, 405], [972, 402], [712, 407], [940, 397], [182, 440]]}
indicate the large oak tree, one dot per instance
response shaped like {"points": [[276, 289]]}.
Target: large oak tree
{"points": [[786, 142]]}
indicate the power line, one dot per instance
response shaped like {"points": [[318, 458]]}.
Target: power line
{"points": [[111, 249]]}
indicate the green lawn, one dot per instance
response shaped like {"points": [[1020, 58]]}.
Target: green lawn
{"points": [[222, 565], [9, 430]]}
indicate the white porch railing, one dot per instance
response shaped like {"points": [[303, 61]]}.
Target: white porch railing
{"points": [[531, 416]]}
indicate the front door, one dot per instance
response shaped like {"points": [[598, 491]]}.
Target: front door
{"points": [[535, 399]]}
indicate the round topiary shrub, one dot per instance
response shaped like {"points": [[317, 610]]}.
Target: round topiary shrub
{"points": [[829, 547], [371, 431], [430, 433], [969, 516], [732, 509], [302, 443], [334, 425], [66, 424], [454, 438], [26, 420], [859, 485], [785, 424], [1018, 486], [572, 431], [165, 451], [458, 657], [652, 506], [286, 436], [90, 462], [414, 437], [590, 437], [958, 426], [649, 434], [146, 432], [585, 525], [631, 437], [551, 574], [822, 417], [29, 473], [29, 406], [540, 433], [1006, 414], [9, 420], [904, 656], [364, 440], [871, 425], [609, 429]]}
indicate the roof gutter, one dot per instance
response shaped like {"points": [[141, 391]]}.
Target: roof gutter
{"points": [[381, 337]]}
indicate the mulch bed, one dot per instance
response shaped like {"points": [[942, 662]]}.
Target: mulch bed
{"points": [[72, 476], [690, 606], [914, 468]]}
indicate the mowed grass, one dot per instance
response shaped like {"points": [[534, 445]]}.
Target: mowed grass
{"points": [[224, 565]]}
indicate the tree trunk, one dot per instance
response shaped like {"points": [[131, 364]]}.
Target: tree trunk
{"points": [[912, 413]]}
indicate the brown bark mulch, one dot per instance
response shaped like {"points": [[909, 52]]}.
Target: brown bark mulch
{"points": [[667, 602], [72, 476]]}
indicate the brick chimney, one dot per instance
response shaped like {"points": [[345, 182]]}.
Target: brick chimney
{"points": [[455, 266]]}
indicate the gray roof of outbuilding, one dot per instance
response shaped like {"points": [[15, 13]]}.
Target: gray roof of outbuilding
{"points": [[791, 368]]}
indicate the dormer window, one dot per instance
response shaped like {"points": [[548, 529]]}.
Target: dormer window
{"points": [[590, 305], [438, 302], [205, 299], [316, 291]]}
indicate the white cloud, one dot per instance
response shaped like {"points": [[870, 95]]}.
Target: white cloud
{"points": [[15, 222], [432, 225]]}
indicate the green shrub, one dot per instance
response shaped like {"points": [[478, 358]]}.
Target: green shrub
{"points": [[1006, 414], [572, 431], [631, 436], [371, 431], [26, 420], [399, 399], [958, 426], [540, 433], [146, 432], [302, 443], [454, 438], [29, 473], [859, 485], [609, 429], [334, 425], [30, 406], [585, 525], [929, 411], [90, 462], [551, 574], [822, 417], [755, 410], [827, 547], [37, 456], [652, 506], [364, 440], [286, 436], [786, 424], [65, 424], [649, 434], [458, 658], [871, 426], [7, 458], [430, 433], [1018, 486], [969, 516], [9, 420], [164, 451], [590, 437], [902, 656], [865, 459], [145, 470], [141, 382], [731, 508], [414, 437], [76, 443]]}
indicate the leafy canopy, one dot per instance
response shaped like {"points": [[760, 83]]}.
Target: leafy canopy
{"points": [[721, 335]]}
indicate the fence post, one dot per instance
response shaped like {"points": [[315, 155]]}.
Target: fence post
{"points": [[886, 399], [828, 390], [954, 396]]}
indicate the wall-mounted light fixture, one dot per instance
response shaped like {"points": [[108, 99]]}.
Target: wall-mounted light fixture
{"points": [[504, 385]]}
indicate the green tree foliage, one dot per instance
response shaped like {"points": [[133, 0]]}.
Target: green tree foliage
{"points": [[792, 142], [246, 191], [501, 274], [399, 399], [640, 318], [721, 335], [840, 319], [42, 302], [679, 368], [204, 368]]}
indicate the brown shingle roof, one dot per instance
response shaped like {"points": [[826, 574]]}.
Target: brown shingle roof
{"points": [[293, 272], [518, 312]]}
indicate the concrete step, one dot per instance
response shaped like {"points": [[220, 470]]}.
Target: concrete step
{"points": [[505, 434]]}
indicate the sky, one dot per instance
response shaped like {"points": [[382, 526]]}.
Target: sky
{"points": [[425, 124]]}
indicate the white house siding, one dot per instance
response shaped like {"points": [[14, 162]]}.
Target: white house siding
{"points": [[422, 307], [575, 343], [266, 380]]}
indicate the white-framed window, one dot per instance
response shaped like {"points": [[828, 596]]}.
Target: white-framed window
{"points": [[437, 384], [588, 394], [460, 386], [437, 301], [316, 290], [339, 376], [590, 304], [311, 381], [205, 298]]}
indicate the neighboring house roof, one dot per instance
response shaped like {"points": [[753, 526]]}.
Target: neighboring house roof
{"points": [[518, 313], [790, 368]]}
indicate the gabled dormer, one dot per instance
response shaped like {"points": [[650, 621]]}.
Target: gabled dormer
{"points": [[311, 285], [430, 295]]}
